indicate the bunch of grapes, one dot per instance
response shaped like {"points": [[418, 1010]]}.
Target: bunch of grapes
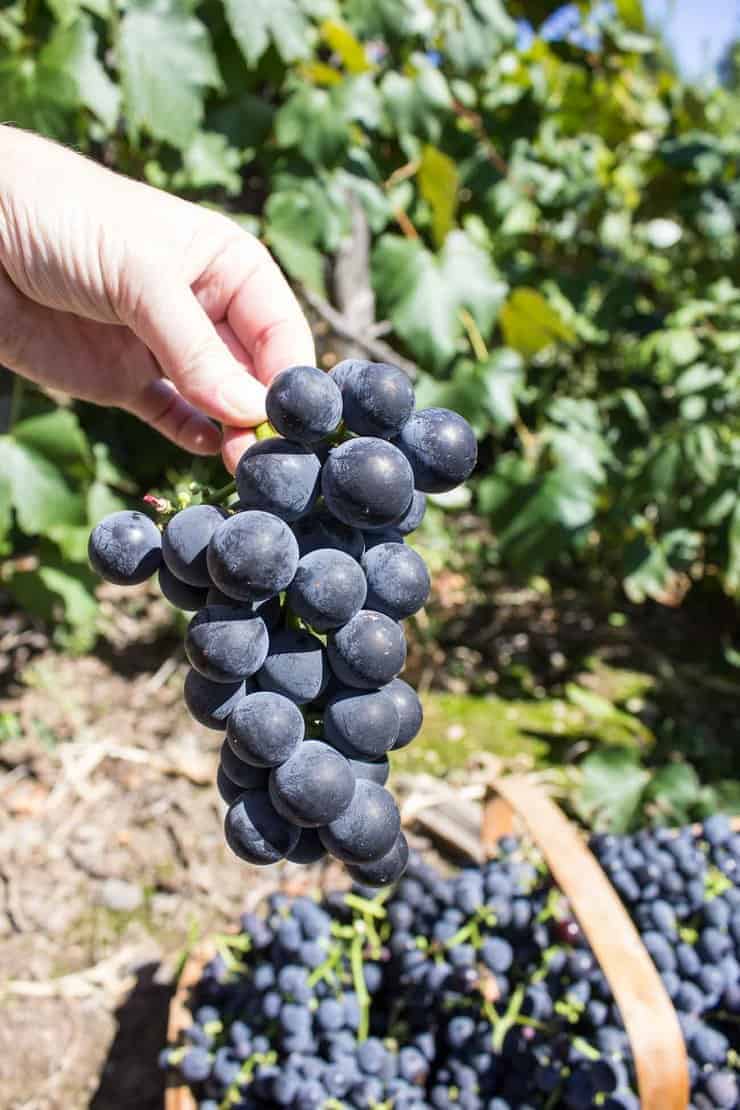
{"points": [[471, 991], [299, 592]]}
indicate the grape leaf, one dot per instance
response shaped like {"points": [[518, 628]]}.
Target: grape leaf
{"points": [[101, 500], [416, 105], [167, 63], [57, 435], [349, 49], [73, 51], [303, 262], [438, 184], [631, 13], [72, 540], [310, 210], [423, 293], [676, 790], [209, 160], [504, 381], [530, 324], [67, 11], [477, 284], [41, 497], [310, 122], [651, 565], [37, 96], [611, 789], [381, 18], [545, 516], [475, 32], [258, 22], [245, 120], [11, 25], [52, 592]]}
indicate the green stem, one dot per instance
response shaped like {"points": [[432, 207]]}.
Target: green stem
{"points": [[218, 496], [466, 932], [265, 431], [358, 981], [292, 620], [508, 1020], [326, 970], [364, 905]]}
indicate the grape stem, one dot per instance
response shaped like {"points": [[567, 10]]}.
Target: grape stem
{"points": [[358, 981], [218, 496]]}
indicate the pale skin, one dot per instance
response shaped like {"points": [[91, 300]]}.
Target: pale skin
{"points": [[120, 294]]}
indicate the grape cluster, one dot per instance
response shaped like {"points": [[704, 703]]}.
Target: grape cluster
{"points": [[299, 593], [475, 991]]}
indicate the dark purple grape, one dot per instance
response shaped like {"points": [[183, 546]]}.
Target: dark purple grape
{"points": [[397, 580], [270, 610], [386, 535], [228, 790], [367, 722], [185, 542], [374, 770], [441, 448], [388, 869], [368, 827], [309, 848], [125, 548], [237, 771], [411, 520], [256, 832], [210, 703], [328, 589], [278, 477], [303, 404], [225, 644], [313, 786], [368, 651], [409, 709], [179, 593], [320, 530], [378, 398], [295, 666], [252, 556], [265, 729], [367, 483]]}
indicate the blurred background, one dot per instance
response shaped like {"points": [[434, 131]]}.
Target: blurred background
{"points": [[533, 208]]}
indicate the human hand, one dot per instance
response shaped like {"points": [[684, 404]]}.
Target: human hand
{"points": [[117, 293]]}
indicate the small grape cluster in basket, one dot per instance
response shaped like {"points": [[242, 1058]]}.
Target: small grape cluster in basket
{"points": [[471, 991], [299, 592]]}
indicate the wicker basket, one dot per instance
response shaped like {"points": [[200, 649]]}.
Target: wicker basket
{"points": [[649, 1017]]}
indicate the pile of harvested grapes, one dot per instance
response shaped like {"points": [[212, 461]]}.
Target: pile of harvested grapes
{"points": [[299, 589], [471, 992]]}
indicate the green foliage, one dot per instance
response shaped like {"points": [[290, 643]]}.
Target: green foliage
{"points": [[554, 236], [55, 486], [617, 793]]}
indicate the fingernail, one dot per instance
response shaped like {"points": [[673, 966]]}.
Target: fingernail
{"points": [[244, 398]]}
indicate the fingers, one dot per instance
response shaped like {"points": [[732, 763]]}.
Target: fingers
{"points": [[234, 444], [185, 343], [160, 405], [266, 316], [235, 440], [99, 363]]}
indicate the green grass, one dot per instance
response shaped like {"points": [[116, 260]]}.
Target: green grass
{"points": [[457, 727]]}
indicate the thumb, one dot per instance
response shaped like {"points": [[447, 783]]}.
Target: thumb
{"points": [[171, 322]]}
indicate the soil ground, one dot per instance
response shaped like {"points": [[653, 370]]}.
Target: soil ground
{"points": [[112, 859]]}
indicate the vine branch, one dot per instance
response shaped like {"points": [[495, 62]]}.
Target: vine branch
{"points": [[377, 348]]}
